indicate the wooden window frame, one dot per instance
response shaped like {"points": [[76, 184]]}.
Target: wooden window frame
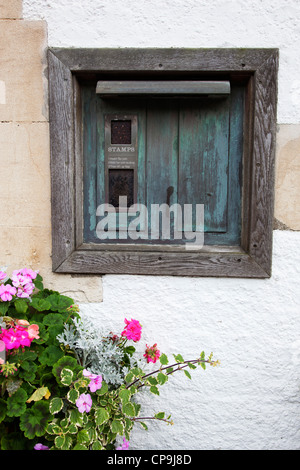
{"points": [[253, 259]]}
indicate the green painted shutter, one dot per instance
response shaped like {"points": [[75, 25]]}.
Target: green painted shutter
{"points": [[189, 152]]}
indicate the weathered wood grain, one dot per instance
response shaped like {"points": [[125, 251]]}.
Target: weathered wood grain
{"points": [[262, 204], [203, 159], [171, 264], [62, 160], [174, 60], [129, 87]]}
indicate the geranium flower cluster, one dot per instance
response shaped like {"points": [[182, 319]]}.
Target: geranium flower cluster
{"points": [[84, 401], [95, 380], [133, 330], [152, 353], [22, 284], [19, 335]]}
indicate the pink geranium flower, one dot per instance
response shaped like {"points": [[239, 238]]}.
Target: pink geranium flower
{"points": [[152, 353], [23, 276], [26, 290], [22, 322], [124, 446], [40, 447], [29, 273], [133, 330], [95, 380], [7, 292], [33, 331], [84, 402], [11, 338], [18, 279], [23, 336]]}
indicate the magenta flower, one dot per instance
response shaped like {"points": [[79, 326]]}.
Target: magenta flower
{"points": [[6, 292], [2, 275], [124, 446], [133, 330], [11, 338], [23, 336], [95, 380], [152, 353], [84, 402], [40, 447]]}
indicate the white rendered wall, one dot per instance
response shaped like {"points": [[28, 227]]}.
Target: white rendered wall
{"points": [[253, 400]]}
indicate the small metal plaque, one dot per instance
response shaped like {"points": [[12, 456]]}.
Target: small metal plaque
{"points": [[121, 158]]}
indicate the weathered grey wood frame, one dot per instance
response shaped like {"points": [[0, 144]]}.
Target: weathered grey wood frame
{"points": [[253, 259]]}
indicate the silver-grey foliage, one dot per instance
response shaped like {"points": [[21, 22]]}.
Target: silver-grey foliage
{"points": [[94, 351]]}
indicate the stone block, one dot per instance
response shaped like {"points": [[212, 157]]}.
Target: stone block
{"points": [[31, 247], [23, 84], [287, 181], [11, 9], [25, 174]]}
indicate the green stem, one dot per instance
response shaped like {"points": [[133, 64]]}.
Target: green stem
{"points": [[184, 364], [151, 417]]}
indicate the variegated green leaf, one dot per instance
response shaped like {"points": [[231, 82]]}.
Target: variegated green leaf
{"points": [[128, 409], [56, 405], [101, 416], [117, 427], [72, 395], [66, 376], [53, 428]]}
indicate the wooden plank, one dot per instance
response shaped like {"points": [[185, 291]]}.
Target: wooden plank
{"points": [[162, 157], [90, 162], [150, 87], [160, 264], [62, 160], [263, 163], [78, 180], [203, 159], [162, 60], [235, 167]]}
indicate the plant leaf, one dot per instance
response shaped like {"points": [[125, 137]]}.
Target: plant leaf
{"points": [[178, 358], [164, 360], [16, 404], [117, 427], [21, 305], [128, 409], [162, 378], [66, 376], [39, 394], [154, 390], [72, 395], [50, 355], [56, 405], [101, 416], [34, 421]]}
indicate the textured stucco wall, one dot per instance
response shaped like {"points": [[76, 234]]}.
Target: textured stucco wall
{"points": [[252, 401], [178, 23]]}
